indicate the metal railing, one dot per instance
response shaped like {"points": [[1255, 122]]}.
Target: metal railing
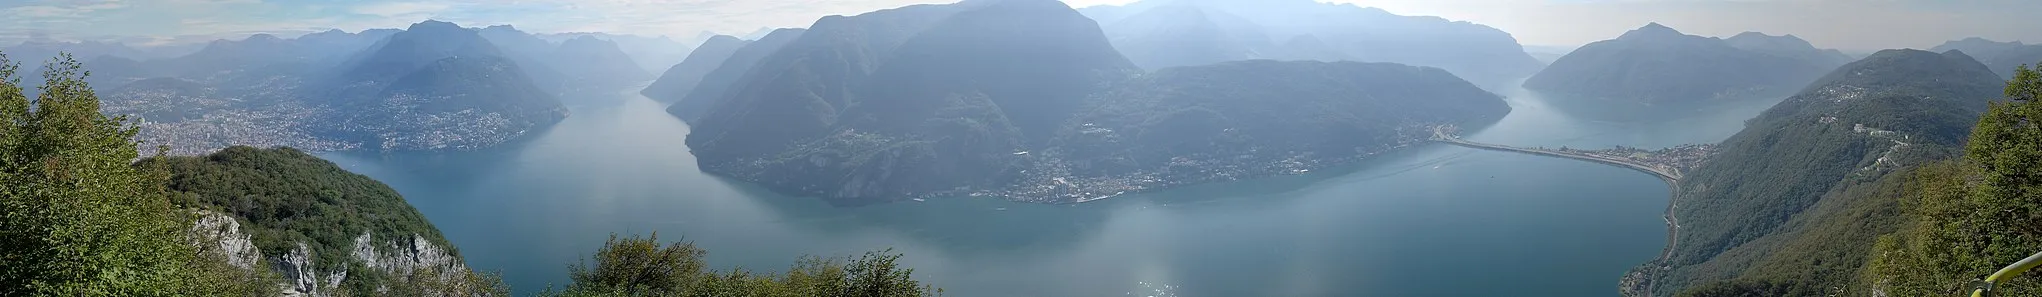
{"points": [[1986, 287]]}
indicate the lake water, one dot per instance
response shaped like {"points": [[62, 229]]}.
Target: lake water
{"points": [[1432, 221]]}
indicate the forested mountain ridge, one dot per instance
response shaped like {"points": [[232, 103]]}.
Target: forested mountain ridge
{"points": [[1802, 191], [326, 231], [1655, 65]]}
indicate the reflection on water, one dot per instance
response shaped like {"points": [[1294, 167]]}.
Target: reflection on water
{"points": [[1432, 221]]}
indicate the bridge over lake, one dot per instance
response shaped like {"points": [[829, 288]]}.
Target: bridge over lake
{"points": [[1670, 174]]}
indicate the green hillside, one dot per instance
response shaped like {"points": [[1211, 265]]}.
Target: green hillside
{"points": [[1803, 190]]}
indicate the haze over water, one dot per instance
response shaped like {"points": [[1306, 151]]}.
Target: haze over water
{"points": [[1436, 220]]}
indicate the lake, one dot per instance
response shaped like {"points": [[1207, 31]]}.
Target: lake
{"points": [[1436, 220]]}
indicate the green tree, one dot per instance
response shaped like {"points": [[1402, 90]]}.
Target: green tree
{"points": [[1974, 217], [76, 217], [643, 266]]}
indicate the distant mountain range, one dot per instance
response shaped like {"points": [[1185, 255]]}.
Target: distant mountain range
{"points": [[683, 78], [717, 86], [651, 53], [599, 64], [432, 86], [1028, 99], [436, 86], [1657, 65], [1158, 34], [2002, 57], [1806, 190]]}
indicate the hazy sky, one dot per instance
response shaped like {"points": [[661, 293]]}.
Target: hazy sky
{"points": [[1846, 24]]}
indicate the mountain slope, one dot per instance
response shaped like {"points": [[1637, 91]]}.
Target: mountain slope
{"points": [[717, 86], [1656, 65], [682, 79], [1803, 190]]}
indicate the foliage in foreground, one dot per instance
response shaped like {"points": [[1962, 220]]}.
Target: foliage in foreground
{"points": [[76, 219], [643, 266], [1982, 215]]}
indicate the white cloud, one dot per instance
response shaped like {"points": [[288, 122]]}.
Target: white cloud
{"points": [[400, 9], [1850, 24]]}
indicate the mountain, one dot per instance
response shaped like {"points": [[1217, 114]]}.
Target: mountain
{"points": [[1787, 46], [516, 43], [1165, 33], [1547, 53], [1975, 46], [2002, 57], [332, 46], [956, 88], [588, 62], [1027, 99], [35, 51], [1185, 35], [655, 52], [111, 71], [321, 228], [418, 46], [1656, 65], [716, 87], [41, 49], [535, 55], [759, 34], [436, 86], [459, 103], [1806, 189], [223, 59], [682, 79]]}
